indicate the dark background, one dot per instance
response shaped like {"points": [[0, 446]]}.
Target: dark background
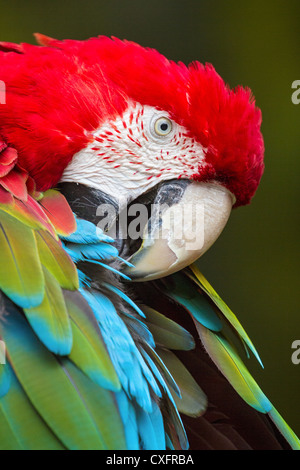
{"points": [[255, 264]]}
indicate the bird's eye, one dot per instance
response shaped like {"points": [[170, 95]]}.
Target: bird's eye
{"points": [[162, 126]]}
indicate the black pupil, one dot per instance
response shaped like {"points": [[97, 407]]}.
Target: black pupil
{"points": [[164, 126]]}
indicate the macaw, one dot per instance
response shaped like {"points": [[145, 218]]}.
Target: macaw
{"points": [[114, 341]]}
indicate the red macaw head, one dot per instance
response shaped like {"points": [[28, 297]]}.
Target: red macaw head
{"points": [[123, 120]]}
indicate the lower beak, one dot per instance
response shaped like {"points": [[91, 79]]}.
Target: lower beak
{"points": [[181, 231]]}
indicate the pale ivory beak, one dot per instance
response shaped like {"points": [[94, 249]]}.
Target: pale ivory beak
{"points": [[178, 234]]}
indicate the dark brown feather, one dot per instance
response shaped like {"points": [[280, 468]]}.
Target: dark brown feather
{"points": [[228, 423]]}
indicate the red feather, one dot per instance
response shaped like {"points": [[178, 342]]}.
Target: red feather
{"points": [[6, 198], [8, 159], [59, 93], [15, 183], [58, 212]]}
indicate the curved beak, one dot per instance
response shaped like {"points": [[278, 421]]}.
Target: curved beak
{"points": [[180, 229]]}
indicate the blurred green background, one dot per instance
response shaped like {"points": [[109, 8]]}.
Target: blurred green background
{"points": [[255, 264]]}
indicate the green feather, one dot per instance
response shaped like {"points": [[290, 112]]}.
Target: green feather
{"points": [[194, 273], [101, 405], [284, 428], [183, 291], [50, 319], [20, 212], [193, 401], [28, 428], [151, 355], [56, 260], [21, 276], [168, 333], [8, 439], [89, 352], [227, 360], [4, 379], [49, 387]]}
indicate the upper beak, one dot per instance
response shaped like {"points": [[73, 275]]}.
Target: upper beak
{"points": [[181, 228]]}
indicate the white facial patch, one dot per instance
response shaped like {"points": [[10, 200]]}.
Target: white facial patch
{"points": [[134, 152]]}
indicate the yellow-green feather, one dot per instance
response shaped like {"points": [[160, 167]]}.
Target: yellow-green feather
{"points": [[21, 276], [284, 428], [25, 426], [194, 273], [193, 401], [228, 361], [49, 387], [89, 352], [166, 332], [56, 260], [8, 439], [50, 319], [101, 406]]}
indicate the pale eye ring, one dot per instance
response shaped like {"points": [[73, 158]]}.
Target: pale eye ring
{"points": [[163, 126]]}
